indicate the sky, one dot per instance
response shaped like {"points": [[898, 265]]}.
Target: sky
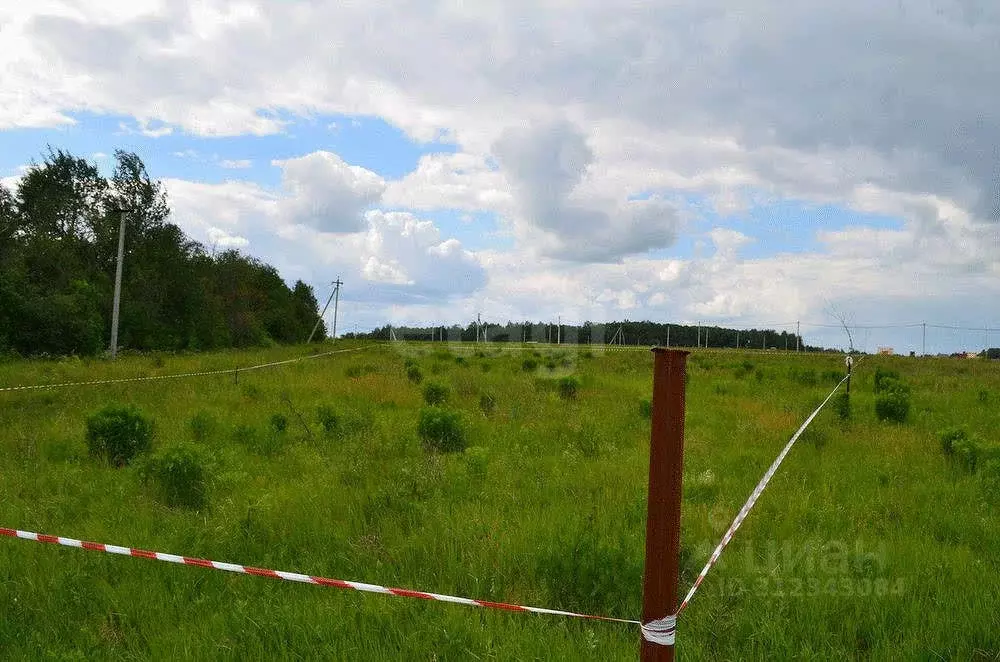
{"points": [[736, 163]]}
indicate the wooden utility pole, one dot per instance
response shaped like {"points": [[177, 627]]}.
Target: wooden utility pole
{"points": [[118, 285]]}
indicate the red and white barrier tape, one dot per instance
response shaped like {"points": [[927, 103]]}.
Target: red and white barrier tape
{"points": [[745, 510], [226, 371], [294, 576]]}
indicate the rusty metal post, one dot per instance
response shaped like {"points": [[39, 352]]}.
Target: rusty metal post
{"points": [[663, 515]]}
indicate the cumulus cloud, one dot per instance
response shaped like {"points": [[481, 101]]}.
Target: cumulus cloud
{"points": [[544, 163], [326, 193]]}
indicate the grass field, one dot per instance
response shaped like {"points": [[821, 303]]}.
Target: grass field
{"points": [[870, 543]]}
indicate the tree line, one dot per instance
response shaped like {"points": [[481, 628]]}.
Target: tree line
{"points": [[645, 333], [59, 232]]}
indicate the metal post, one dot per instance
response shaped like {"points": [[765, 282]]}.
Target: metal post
{"points": [[118, 285], [336, 290], [668, 336], [798, 335], [663, 511], [923, 343]]}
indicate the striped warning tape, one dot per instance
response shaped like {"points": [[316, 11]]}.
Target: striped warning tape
{"points": [[757, 491], [295, 576], [225, 371]]}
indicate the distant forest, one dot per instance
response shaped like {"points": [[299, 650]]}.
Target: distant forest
{"points": [[58, 249], [626, 333]]}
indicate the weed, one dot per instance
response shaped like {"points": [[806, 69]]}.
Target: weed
{"points": [[884, 378], [202, 425], [949, 437], [568, 387], [646, 408], [477, 461], [436, 393], [118, 434], [414, 374], [328, 419], [279, 423], [441, 430], [180, 474], [529, 365], [842, 406], [487, 403], [892, 406]]}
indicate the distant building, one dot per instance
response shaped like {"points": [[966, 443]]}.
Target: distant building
{"points": [[886, 351]]}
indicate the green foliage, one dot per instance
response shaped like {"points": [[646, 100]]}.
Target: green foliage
{"points": [[477, 460], [436, 393], [983, 396], [568, 387], [885, 380], [529, 365], [646, 408], [118, 434], [441, 430], [966, 452], [279, 422], [892, 406], [202, 425], [949, 437], [328, 419], [181, 476], [414, 374], [744, 369], [487, 403], [842, 406]]}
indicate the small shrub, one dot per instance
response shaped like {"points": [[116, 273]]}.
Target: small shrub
{"points": [[966, 453], [441, 430], [460, 360], [550, 365], [279, 423], [261, 444], [353, 372], [568, 387], [842, 405], [984, 396], [118, 434], [414, 374], [409, 361], [477, 461], [989, 474], [883, 378], [328, 419], [202, 425], [487, 403], [485, 367], [892, 406], [949, 437], [436, 393], [646, 408], [180, 475], [529, 365], [743, 369], [805, 377]]}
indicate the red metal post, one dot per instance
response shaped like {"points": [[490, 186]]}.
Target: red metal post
{"points": [[663, 515]]}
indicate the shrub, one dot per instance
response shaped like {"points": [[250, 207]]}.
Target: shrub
{"points": [[832, 376], [414, 374], [984, 396], [477, 460], [436, 393], [966, 452], [279, 423], [883, 378], [529, 365], [743, 369], [568, 387], [181, 476], [441, 430], [328, 419], [842, 405], [460, 360], [989, 474], [262, 444], [202, 425], [949, 437], [485, 367], [892, 406], [550, 365], [118, 434], [487, 403], [646, 408]]}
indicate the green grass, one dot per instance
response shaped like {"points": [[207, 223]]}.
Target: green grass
{"points": [[870, 543]]}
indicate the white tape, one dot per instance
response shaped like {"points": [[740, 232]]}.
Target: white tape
{"points": [[661, 631]]}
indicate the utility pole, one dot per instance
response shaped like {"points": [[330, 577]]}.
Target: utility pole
{"points": [[737, 338], [798, 335], [763, 343], [336, 292], [668, 336], [923, 342], [699, 335], [118, 284], [559, 332], [479, 323]]}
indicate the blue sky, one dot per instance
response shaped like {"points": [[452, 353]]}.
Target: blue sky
{"points": [[581, 175]]}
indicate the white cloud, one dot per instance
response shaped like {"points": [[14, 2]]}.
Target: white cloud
{"points": [[236, 164], [326, 193]]}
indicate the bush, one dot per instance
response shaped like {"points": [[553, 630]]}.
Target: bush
{"points": [[989, 474], [202, 425], [883, 379], [966, 453], [441, 430], [529, 365], [118, 434], [477, 460], [180, 475], [893, 406], [262, 444], [328, 419], [568, 387], [842, 405], [984, 396], [485, 367], [949, 437], [487, 403], [414, 374], [279, 423], [436, 393], [646, 408]]}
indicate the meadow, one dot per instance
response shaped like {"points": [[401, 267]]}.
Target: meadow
{"points": [[872, 541]]}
